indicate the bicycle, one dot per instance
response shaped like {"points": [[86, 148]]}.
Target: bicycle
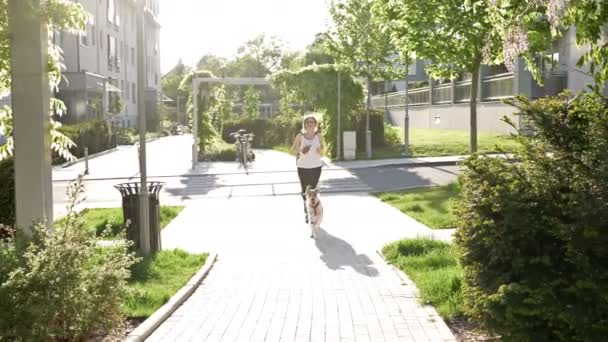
{"points": [[242, 142]]}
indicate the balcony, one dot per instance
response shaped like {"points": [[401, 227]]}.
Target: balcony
{"points": [[497, 87]]}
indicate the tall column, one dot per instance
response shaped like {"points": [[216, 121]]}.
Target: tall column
{"points": [[144, 202], [30, 102]]}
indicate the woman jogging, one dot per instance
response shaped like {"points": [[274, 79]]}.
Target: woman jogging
{"points": [[308, 146]]}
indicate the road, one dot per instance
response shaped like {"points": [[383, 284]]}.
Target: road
{"points": [[273, 174]]}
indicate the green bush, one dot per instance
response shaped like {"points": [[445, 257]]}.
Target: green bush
{"points": [[532, 235], [219, 151], [376, 125], [7, 197], [62, 285], [267, 132], [94, 134], [391, 135]]}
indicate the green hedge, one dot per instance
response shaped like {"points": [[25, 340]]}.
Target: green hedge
{"points": [[376, 125], [7, 195], [94, 134], [532, 234], [267, 132]]}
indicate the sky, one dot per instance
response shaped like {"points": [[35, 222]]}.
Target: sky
{"points": [[192, 28]]}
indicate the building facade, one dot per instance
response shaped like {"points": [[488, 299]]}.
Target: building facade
{"points": [[445, 104], [101, 64]]}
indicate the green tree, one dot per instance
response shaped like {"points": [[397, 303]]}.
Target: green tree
{"points": [[319, 51], [524, 25], [171, 80], [358, 42], [251, 103], [455, 35], [221, 108], [266, 51], [212, 63], [60, 15]]}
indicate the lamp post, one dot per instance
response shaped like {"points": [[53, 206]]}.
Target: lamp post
{"points": [[406, 119], [339, 140], [144, 203]]}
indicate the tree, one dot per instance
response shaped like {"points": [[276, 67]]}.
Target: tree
{"points": [[251, 103], [319, 51], [455, 35], [519, 21], [171, 80], [266, 51], [60, 15], [213, 63], [357, 41]]}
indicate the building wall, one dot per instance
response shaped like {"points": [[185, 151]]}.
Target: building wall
{"points": [[456, 117], [91, 53]]}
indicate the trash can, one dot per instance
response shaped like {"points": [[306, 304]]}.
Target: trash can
{"points": [[130, 210]]}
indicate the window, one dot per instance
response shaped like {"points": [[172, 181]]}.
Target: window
{"points": [[111, 11], [101, 39], [93, 35], [133, 92], [133, 56], [113, 58], [127, 92], [84, 39]]}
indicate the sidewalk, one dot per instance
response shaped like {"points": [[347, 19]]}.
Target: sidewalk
{"points": [[273, 283]]}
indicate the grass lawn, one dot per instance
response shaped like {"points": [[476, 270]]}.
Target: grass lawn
{"points": [[100, 218], [433, 267], [431, 206], [442, 142], [157, 278]]}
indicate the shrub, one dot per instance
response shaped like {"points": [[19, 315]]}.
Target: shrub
{"points": [[376, 125], [219, 151], [7, 196], [267, 132], [391, 136], [94, 134], [532, 235], [62, 285]]}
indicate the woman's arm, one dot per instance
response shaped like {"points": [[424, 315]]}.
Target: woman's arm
{"points": [[295, 148], [321, 144]]}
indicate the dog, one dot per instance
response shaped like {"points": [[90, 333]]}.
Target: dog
{"points": [[315, 209]]}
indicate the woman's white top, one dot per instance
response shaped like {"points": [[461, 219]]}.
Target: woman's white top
{"points": [[312, 159]]}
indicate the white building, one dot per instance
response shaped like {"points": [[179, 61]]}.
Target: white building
{"points": [[101, 64]]}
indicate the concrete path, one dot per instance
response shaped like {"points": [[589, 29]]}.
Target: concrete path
{"points": [[273, 283]]}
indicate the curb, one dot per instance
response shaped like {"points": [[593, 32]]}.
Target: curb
{"points": [[406, 281], [147, 327]]}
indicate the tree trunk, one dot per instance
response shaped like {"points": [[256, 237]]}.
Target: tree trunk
{"points": [[473, 106]]}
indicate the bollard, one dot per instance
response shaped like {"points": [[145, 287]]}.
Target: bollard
{"points": [[86, 160]]}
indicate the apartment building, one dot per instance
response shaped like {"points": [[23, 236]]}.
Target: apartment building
{"points": [[445, 104], [101, 64]]}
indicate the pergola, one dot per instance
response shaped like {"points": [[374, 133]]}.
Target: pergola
{"points": [[196, 82]]}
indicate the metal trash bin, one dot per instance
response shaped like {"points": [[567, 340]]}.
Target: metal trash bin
{"points": [[130, 210]]}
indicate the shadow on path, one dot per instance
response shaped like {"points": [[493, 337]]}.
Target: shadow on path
{"points": [[337, 253]]}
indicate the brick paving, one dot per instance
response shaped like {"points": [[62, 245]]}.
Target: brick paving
{"points": [[273, 283]]}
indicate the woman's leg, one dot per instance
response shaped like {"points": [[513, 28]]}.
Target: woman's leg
{"points": [[307, 177]]}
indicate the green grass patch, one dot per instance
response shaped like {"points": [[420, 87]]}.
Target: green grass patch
{"points": [[431, 206], [443, 142], [282, 148], [433, 267], [156, 278], [99, 218]]}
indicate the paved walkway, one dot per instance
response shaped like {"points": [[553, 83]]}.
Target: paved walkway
{"points": [[273, 283]]}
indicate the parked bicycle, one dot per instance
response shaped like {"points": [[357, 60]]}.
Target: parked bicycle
{"points": [[244, 151]]}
